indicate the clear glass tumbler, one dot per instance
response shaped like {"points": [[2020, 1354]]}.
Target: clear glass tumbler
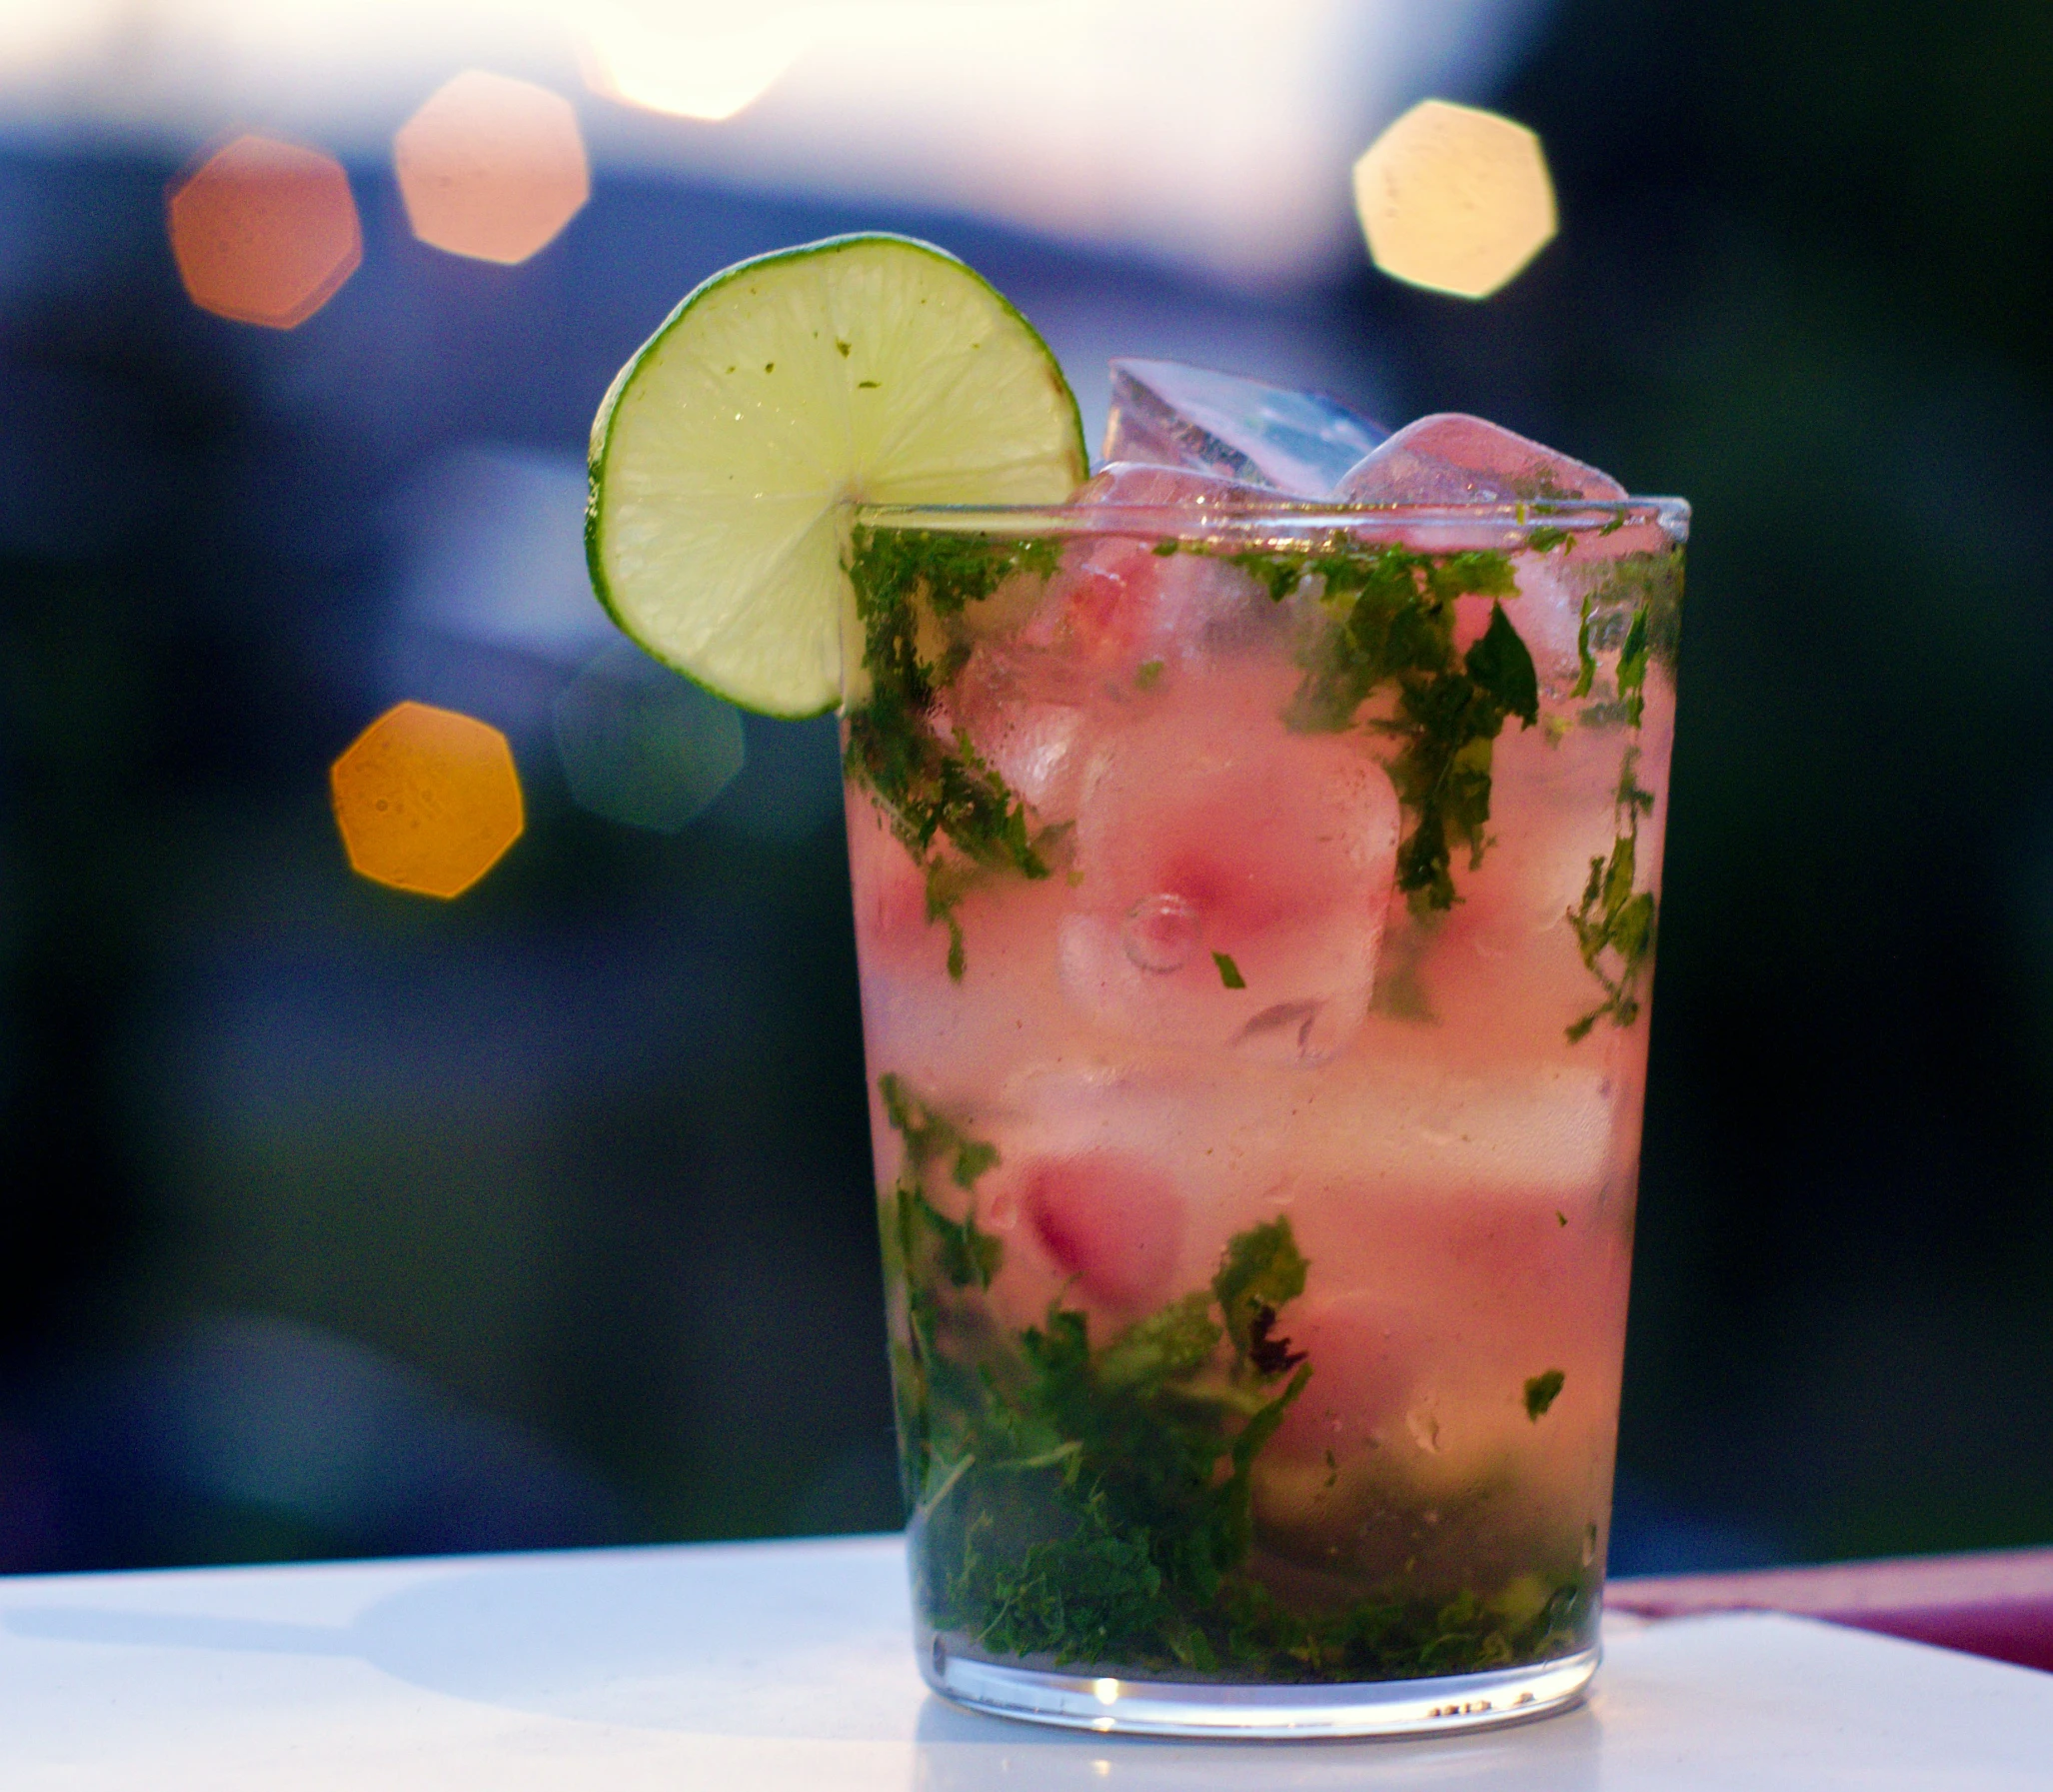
{"points": [[1256, 911]]}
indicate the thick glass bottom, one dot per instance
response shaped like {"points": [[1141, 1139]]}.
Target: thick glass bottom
{"points": [[1200, 1708]]}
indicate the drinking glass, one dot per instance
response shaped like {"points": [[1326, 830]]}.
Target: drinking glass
{"points": [[1255, 908]]}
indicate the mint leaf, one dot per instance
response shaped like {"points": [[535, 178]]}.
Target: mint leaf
{"points": [[1652, 582], [1229, 972], [1393, 624], [1167, 1347], [1614, 922], [1631, 675], [1501, 665], [965, 1255], [1261, 1272], [937, 793], [1482, 573], [1540, 1393]]}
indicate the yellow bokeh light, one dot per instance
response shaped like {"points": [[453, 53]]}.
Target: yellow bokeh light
{"points": [[491, 168], [427, 799], [265, 231], [1454, 199]]}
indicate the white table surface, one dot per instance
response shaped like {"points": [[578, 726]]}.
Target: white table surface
{"points": [[764, 1667]]}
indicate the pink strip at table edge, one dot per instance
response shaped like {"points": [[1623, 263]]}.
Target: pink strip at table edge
{"points": [[1997, 1603]]}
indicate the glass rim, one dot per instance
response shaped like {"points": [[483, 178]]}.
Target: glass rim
{"points": [[1288, 516]]}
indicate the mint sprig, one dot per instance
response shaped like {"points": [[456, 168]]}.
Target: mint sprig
{"points": [[935, 791], [1392, 616], [1614, 922]]}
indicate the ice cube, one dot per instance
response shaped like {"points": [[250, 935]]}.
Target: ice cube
{"points": [[1110, 1220], [1119, 605], [1232, 879], [1365, 1352], [1449, 458], [1176, 416], [1144, 481], [1022, 713]]}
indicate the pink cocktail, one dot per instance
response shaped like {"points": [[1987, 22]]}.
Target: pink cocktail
{"points": [[1256, 902]]}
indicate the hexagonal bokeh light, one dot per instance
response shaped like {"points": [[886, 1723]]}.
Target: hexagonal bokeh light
{"points": [[642, 746], [265, 231], [491, 168], [1453, 199], [427, 799]]}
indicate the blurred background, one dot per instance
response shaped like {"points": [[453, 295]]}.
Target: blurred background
{"points": [[339, 1220]]}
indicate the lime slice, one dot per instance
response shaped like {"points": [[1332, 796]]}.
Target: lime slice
{"points": [[872, 367]]}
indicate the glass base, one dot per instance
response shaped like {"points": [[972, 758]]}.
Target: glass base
{"points": [[1202, 1708]]}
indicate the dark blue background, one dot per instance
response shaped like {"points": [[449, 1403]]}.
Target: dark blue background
{"points": [[339, 1222]]}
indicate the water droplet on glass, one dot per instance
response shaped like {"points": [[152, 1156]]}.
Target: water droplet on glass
{"points": [[1161, 931]]}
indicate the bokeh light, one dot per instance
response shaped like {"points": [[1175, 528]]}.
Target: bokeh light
{"points": [[265, 231], [1454, 199], [698, 60], [427, 799], [642, 746], [491, 168]]}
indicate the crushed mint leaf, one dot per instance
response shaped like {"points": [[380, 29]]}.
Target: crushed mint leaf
{"points": [[1080, 1500], [950, 809], [1614, 922], [1391, 616]]}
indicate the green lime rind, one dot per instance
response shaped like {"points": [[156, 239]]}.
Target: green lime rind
{"points": [[873, 368]]}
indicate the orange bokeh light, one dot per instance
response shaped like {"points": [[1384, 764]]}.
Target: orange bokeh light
{"points": [[427, 799], [491, 168], [265, 231]]}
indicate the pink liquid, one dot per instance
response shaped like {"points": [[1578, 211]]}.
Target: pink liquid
{"points": [[1417, 1090]]}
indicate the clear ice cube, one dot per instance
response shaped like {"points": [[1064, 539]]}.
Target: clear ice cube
{"points": [[1230, 883], [1149, 483], [1297, 443], [1110, 1221], [1450, 458]]}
